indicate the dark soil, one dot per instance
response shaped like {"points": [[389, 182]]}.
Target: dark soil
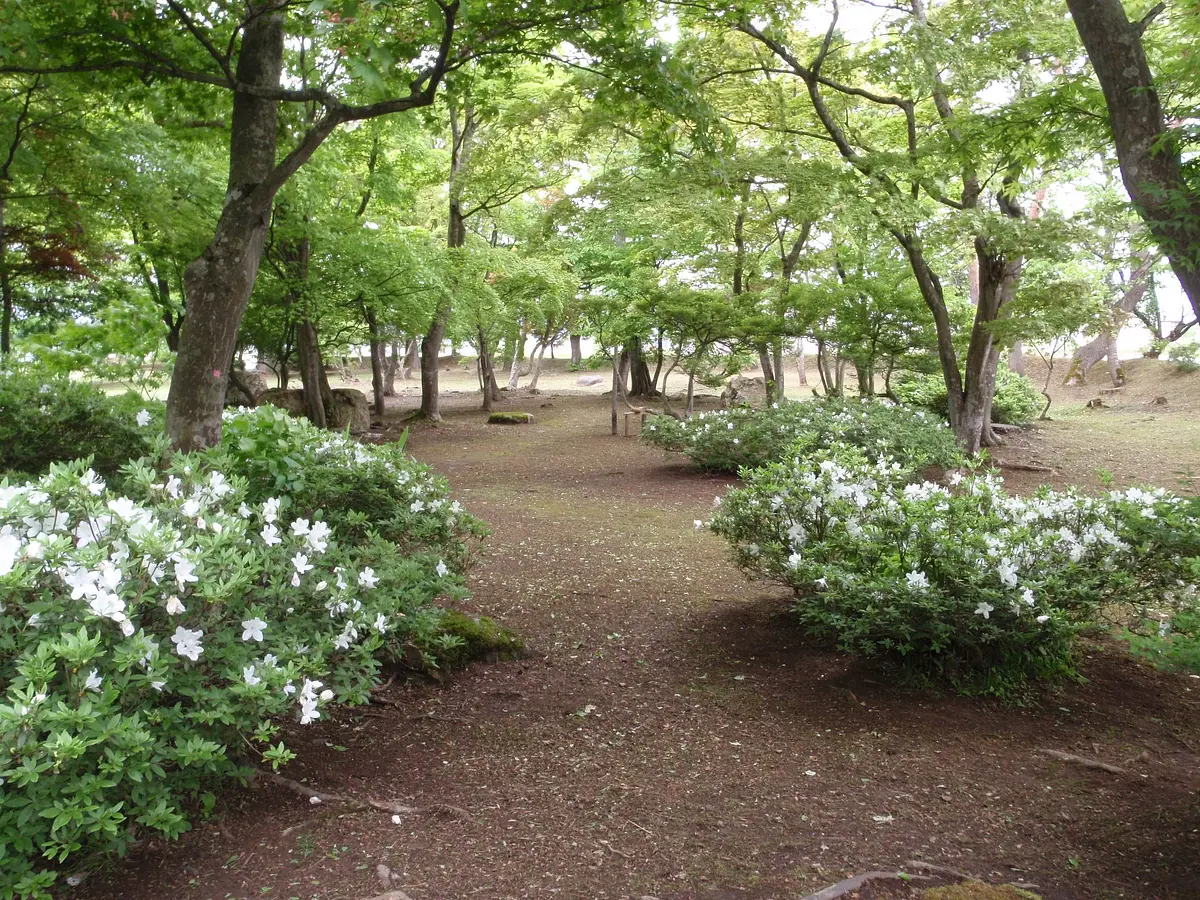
{"points": [[672, 735]]}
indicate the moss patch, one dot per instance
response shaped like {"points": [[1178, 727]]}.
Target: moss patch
{"points": [[510, 418], [977, 890], [482, 640]]}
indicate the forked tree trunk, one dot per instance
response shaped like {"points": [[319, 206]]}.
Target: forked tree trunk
{"points": [[219, 282], [412, 358], [639, 370], [768, 370], [1105, 343], [491, 390]]}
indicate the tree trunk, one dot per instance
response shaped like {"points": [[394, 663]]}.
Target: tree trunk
{"points": [[1147, 150], [777, 363], [618, 383], [691, 394], [218, 284], [491, 390], [639, 370], [379, 362], [431, 348], [1105, 343], [6, 294], [312, 374], [514, 372], [412, 358], [576, 350], [802, 374], [536, 369], [658, 363], [1016, 357], [768, 371], [393, 367]]}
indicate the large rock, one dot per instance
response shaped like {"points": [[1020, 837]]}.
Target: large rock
{"points": [[349, 408], [244, 388]]}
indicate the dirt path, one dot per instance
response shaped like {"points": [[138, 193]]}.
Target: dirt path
{"points": [[673, 736]]}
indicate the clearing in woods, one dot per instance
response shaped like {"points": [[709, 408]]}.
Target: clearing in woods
{"points": [[671, 734]]}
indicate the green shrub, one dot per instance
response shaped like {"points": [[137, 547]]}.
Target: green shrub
{"points": [[152, 640], [984, 589], [728, 440], [361, 491], [1185, 357], [46, 418], [1017, 400]]}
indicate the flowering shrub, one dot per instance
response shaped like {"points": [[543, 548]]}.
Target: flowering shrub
{"points": [[359, 490], [47, 418], [986, 589], [727, 440], [153, 640], [1017, 399]]}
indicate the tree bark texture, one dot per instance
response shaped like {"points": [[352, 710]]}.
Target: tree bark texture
{"points": [[576, 350], [219, 282], [1147, 150]]}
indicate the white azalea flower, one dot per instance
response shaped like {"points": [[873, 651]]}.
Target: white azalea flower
{"points": [[252, 629], [144, 418], [917, 581], [270, 535], [187, 642], [984, 609], [300, 527], [442, 569], [94, 680], [367, 579], [175, 606], [249, 677]]}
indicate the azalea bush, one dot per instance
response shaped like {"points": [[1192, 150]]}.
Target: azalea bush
{"points": [[360, 490], [1017, 400], [962, 581], [730, 439], [156, 639], [46, 418]]}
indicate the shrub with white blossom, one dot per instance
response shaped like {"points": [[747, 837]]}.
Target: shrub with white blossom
{"points": [[985, 589], [729, 439], [153, 640]]}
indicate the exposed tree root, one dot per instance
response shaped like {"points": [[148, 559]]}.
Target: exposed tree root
{"points": [[1084, 761], [355, 804]]}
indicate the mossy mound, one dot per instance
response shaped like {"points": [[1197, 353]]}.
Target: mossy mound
{"points": [[977, 890], [482, 640], [510, 418]]}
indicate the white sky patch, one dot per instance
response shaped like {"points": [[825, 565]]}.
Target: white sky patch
{"points": [[667, 28], [856, 21]]}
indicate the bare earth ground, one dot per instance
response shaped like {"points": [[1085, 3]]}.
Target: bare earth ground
{"points": [[672, 735]]}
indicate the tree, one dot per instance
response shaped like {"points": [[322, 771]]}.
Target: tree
{"points": [[363, 61], [1150, 151]]}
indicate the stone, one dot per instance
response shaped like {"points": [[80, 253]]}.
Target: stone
{"points": [[244, 388], [589, 380], [349, 410]]}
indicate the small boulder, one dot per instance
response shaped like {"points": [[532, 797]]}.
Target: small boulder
{"points": [[589, 380]]}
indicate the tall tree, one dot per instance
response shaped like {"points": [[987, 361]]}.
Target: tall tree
{"points": [[1150, 150]]}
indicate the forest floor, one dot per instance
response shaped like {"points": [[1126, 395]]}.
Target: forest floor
{"points": [[672, 735]]}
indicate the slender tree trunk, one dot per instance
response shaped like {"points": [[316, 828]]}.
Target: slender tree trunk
{"points": [[412, 358], [777, 363], [1148, 151], [536, 369], [393, 366], [218, 284], [379, 363], [1016, 357], [514, 372], [691, 394], [312, 373], [491, 390], [618, 386], [658, 363], [6, 293], [576, 350], [802, 374]]}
